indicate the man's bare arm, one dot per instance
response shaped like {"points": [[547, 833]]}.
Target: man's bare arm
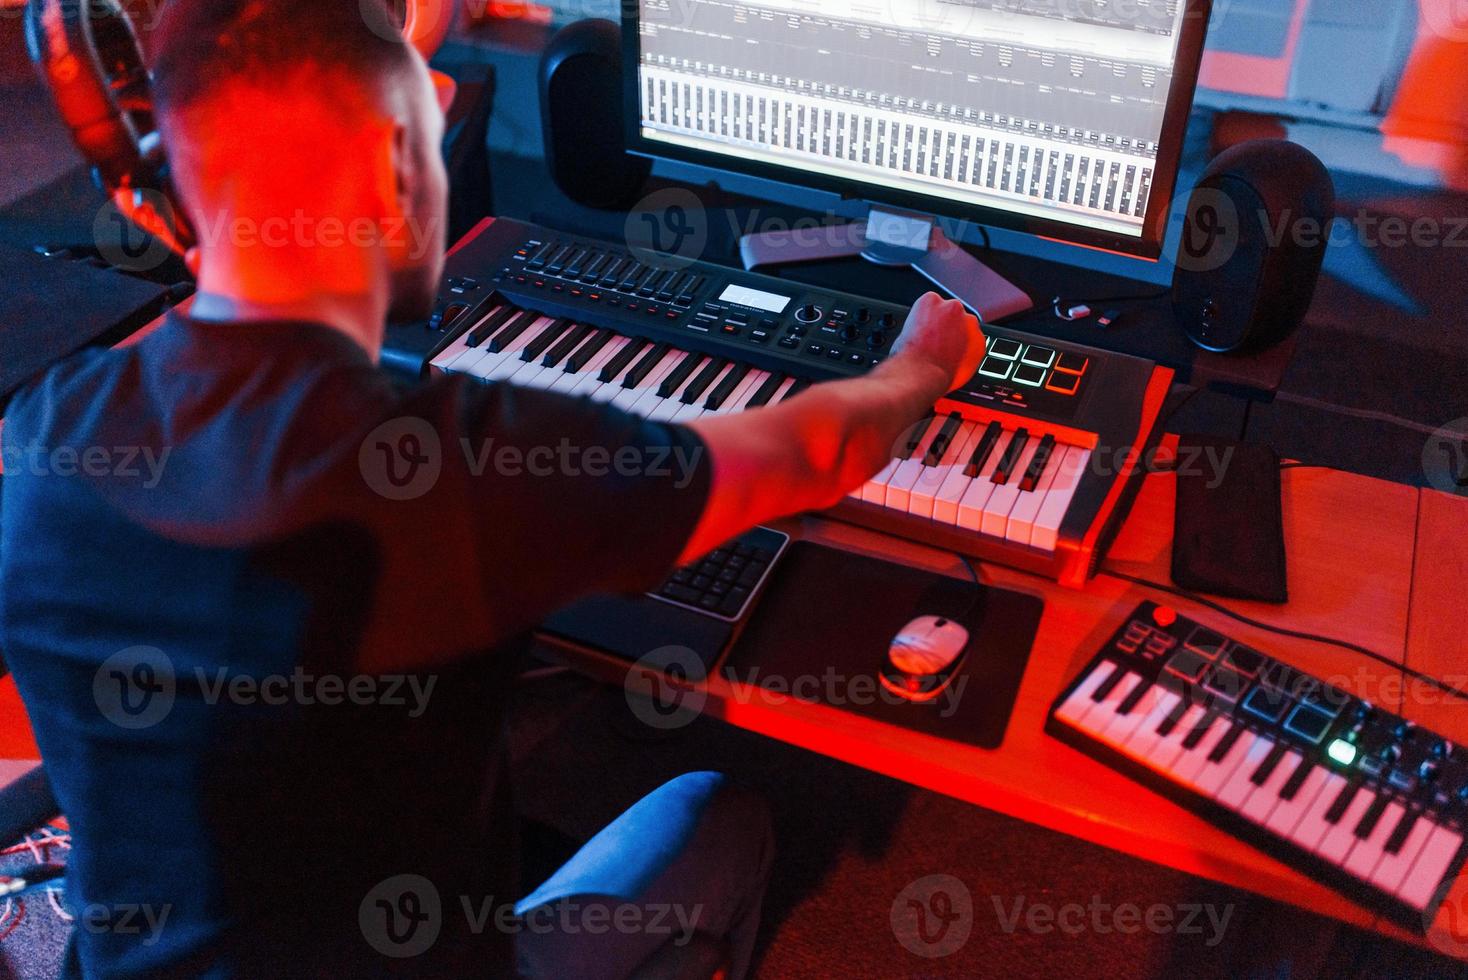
{"points": [[809, 452]]}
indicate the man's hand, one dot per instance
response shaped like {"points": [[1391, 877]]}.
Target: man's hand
{"points": [[944, 334]]}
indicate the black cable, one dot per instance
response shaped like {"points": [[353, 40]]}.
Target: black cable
{"points": [[1095, 301], [978, 586], [1295, 634]]}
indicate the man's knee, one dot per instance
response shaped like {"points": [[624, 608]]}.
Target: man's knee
{"points": [[733, 814]]}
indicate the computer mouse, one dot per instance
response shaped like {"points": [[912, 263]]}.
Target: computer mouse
{"points": [[923, 658]]}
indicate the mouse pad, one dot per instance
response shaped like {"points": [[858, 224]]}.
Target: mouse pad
{"points": [[823, 627]]}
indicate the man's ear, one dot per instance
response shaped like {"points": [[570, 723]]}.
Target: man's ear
{"points": [[397, 185]]}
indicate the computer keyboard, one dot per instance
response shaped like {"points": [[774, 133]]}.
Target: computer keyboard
{"points": [[725, 582]]}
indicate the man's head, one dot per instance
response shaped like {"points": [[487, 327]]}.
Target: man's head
{"points": [[304, 140]]}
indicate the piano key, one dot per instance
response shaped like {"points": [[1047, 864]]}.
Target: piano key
{"points": [[680, 374], [622, 360], [1009, 460], [696, 408], [705, 377], [1421, 883], [1075, 708], [1046, 533], [1288, 814], [1192, 762], [586, 381], [1342, 802], [767, 390], [499, 364], [899, 486], [956, 482], [1261, 775], [1312, 826], [1145, 742], [1036, 469], [486, 328], [671, 405], [1337, 842], [925, 490], [646, 387], [720, 392], [583, 354], [1370, 849], [513, 330], [938, 447], [874, 491], [1021, 526], [645, 363], [564, 347], [1391, 873], [985, 450], [1211, 780], [1129, 714], [1261, 805], [1115, 688], [1169, 749], [740, 400], [1236, 789], [972, 508], [1006, 493]]}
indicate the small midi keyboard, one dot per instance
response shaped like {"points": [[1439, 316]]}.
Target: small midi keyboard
{"points": [[1355, 796]]}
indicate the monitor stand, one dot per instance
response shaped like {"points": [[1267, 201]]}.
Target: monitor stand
{"points": [[896, 239]]}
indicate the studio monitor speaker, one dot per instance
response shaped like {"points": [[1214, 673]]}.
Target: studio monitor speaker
{"points": [[1253, 240], [582, 118]]}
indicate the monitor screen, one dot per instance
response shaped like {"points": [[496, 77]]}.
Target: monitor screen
{"points": [[1059, 117]]}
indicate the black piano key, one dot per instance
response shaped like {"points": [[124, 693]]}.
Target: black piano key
{"points": [[1037, 464], [1234, 733], [1398, 839], [1342, 802], [725, 388], [588, 350], [797, 388], [490, 324], [621, 359], [1107, 686], [1011, 456], [1205, 724], [1173, 718], [679, 374], [1291, 787], [986, 446], [1372, 816], [512, 330], [1271, 762], [644, 366], [943, 439], [537, 346], [766, 391], [1130, 702], [702, 380], [916, 433], [563, 347]]}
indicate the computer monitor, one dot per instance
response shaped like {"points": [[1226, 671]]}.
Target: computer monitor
{"points": [[1060, 118]]}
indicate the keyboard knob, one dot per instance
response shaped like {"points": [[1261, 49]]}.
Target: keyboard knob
{"points": [[809, 313], [1442, 748], [888, 320], [1403, 731], [877, 340], [1429, 770], [850, 333], [1364, 712], [863, 315], [1390, 753]]}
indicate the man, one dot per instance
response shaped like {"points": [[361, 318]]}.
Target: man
{"points": [[269, 696]]}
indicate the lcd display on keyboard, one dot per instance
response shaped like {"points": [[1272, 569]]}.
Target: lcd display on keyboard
{"points": [[1357, 796]]}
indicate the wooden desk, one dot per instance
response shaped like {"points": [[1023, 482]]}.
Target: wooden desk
{"points": [[1375, 563]]}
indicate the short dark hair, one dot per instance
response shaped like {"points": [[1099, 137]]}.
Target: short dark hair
{"points": [[204, 43]]}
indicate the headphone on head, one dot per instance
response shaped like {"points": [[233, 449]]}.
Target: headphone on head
{"points": [[88, 53]]}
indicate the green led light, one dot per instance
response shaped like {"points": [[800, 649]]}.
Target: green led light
{"points": [[1342, 751]]}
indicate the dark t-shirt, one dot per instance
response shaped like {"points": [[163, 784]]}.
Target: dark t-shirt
{"points": [[203, 537]]}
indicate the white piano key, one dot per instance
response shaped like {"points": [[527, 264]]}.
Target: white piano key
{"points": [[1104, 711], [497, 366], [874, 491], [971, 508], [1391, 873], [1286, 816], [530, 369], [899, 486], [1337, 842], [459, 349], [1079, 704], [1168, 750], [1215, 774], [742, 392], [956, 483], [669, 406], [1144, 740], [1002, 500], [1191, 763], [1431, 866], [586, 378], [1046, 533], [629, 397], [1122, 727], [925, 490], [1237, 789], [1367, 853], [1313, 826], [1021, 526], [1260, 806]]}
